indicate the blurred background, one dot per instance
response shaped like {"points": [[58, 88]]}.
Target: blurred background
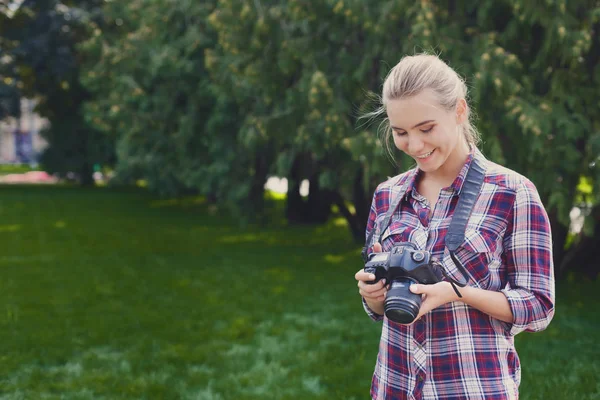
{"points": [[185, 187]]}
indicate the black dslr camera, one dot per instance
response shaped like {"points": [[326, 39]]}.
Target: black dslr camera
{"points": [[401, 267]]}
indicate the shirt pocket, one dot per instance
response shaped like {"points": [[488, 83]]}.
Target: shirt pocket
{"points": [[477, 255], [394, 233]]}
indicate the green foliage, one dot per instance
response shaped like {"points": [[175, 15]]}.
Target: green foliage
{"points": [[9, 99], [299, 72], [180, 303], [527, 74], [40, 61], [146, 70], [213, 97], [305, 67]]}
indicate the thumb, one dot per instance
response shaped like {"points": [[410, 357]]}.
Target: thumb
{"points": [[418, 289], [377, 248]]}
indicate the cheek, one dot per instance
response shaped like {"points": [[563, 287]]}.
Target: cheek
{"points": [[446, 137], [400, 143]]}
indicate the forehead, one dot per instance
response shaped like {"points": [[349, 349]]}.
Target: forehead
{"points": [[409, 111]]}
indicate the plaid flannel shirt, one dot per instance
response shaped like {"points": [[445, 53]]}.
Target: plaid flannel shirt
{"points": [[456, 351]]}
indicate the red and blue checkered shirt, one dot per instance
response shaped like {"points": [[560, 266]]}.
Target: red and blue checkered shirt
{"points": [[456, 351]]}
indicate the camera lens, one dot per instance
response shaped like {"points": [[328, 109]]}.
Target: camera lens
{"points": [[401, 305]]}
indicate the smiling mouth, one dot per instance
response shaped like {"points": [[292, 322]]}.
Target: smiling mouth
{"points": [[426, 154]]}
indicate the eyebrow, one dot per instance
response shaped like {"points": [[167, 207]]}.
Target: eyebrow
{"points": [[417, 125]]}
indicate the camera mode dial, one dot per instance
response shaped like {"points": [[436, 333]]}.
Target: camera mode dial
{"points": [[418, 256]]}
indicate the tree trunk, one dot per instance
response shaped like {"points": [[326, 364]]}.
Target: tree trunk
{"points": [[357, 221], [583, 256], [356, 227], [294, 206], [86, 175], [559, 237], [257, 188], [86, 170], [318, 205], [361, 202]]}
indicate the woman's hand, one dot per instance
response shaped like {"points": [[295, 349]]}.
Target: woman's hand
{"points": [[433, 296], [374, 294]]}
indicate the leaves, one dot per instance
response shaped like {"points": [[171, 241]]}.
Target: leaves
{"points": [[216, 96], [40, 60]]}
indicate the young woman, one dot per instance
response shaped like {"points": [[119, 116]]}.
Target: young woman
{"points": [[458, 347]]}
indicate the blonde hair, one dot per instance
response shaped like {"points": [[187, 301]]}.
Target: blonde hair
{"points": [[412, 75]]}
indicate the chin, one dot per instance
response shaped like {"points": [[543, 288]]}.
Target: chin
{"points": [[432, 165], [429, 168]]}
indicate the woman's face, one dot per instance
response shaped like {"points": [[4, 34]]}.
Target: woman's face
{"points": [[426, 131]]}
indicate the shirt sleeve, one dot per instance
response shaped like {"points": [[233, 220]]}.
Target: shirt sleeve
{"points": [[528, 257], [370, 226], [372, 314]]}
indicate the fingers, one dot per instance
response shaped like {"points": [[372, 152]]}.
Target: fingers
{"points": [[377, 298], [426, 306], [417, 289], [363, 276], [376, 291], [377, 248], [380, 298]]}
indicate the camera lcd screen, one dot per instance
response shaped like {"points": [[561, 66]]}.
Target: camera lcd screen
{"points": [[379, 257]]}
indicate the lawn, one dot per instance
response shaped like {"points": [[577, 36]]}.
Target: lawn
{"points": [[14, 169], [116, 294]]}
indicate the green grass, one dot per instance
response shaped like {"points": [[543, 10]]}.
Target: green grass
{"points": [[6, 169], [109, 294]]}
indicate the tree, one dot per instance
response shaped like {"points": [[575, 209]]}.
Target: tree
{"points": [[152, 93], [41, 61], [290, 79], [534, 71], [298, 70]]}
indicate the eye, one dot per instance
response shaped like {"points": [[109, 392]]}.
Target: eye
{"points": [[400, 133], [427, 130]]}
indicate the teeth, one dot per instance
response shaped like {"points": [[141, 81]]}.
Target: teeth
{"points": [[426, 155]]}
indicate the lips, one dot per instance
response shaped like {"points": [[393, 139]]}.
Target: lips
{"points": [[424, 156]]}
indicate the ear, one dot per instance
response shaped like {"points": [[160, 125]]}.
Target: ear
{"points": [[461, 111]]}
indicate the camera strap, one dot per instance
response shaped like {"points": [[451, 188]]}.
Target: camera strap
{"points": [[455, 235]]}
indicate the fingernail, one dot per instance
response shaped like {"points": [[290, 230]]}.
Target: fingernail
{"points": [[371, 277], [383, 281]]}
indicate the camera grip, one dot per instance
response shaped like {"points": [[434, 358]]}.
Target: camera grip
{"points": [[379, 274]]}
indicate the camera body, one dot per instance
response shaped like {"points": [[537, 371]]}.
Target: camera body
{"points": [[401, 267]]}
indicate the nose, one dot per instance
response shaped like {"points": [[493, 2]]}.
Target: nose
{"points": [[415, 144]]}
